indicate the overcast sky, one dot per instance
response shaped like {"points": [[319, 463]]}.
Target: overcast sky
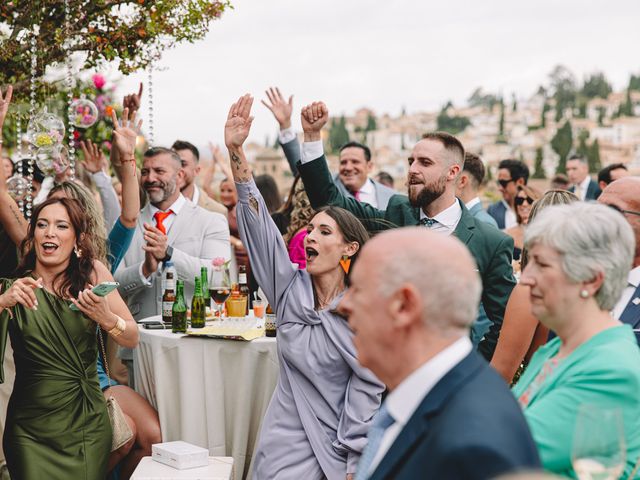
{"points": [[384, 55]]}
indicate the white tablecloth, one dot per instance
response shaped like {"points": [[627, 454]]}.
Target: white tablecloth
{"points": [[211, 393]]}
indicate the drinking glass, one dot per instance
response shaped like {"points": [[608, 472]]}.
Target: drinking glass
{"points": [[599, 450], [219, 288]]}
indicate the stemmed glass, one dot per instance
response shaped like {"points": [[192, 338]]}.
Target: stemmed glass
{"points": [[219, 287], [598, 451]]}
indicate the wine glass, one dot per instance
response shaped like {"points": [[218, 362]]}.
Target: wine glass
{"points": [[599, 450], [219, 287]]}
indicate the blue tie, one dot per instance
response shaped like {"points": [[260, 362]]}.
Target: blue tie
{"points": [[428, 222], [379, 425], [631, 313]]}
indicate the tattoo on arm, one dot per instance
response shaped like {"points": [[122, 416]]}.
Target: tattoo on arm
{"points": [[236, 159], [19, 219], [254, 203]]}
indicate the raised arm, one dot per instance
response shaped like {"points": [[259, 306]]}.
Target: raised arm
{"points": [[123, 160], [124, 145], [316, 177], [10, 215], [94, 162], [281, 110], [267, 252]]}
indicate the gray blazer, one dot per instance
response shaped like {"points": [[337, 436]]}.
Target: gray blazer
{"points": [[479, 213], [292, 153], [196, 235]]}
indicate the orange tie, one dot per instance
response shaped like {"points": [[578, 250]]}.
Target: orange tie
{"points": [[159, 218]]}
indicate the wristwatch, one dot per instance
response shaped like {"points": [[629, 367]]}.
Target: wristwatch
{"points": [[168, 254]]}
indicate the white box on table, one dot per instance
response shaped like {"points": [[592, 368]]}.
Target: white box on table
{"points": [[180, 455]]}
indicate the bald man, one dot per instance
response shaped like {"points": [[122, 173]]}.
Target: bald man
{"points": [[623, 195], [448, 414]]}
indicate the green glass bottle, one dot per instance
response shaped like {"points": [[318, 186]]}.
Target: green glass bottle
{"points": [[179, 311], [204, 279], [198, 312]]}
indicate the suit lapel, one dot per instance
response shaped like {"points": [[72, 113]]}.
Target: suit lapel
{"points": [[466, 226], [181, 222], [418, 424]]}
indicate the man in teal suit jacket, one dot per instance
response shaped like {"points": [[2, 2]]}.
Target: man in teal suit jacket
{"points": [[435, 164]]}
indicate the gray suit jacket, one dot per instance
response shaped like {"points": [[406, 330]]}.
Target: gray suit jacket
{"points": [[292, 153], [479, 213], [196, 235]]}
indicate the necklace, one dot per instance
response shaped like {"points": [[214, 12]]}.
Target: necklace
{"points": [[324, 302]]}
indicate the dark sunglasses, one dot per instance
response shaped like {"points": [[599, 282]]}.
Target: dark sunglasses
{"points": [[618, 209], [520, 200], [504, 183]]}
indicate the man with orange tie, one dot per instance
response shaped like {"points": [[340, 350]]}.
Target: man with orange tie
{"points": [[169, 228]]}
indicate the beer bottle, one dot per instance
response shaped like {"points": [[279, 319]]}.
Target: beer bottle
{"points": [[204, 279], [197, 307], [242, 284], [270, 322], [179, 311], [169, 295]]}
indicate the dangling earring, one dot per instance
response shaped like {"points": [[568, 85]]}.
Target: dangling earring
{"points": [[584, 294], [345, 263], [77, 251]]}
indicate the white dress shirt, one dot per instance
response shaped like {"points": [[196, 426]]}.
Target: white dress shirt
{"points": [[510, 219], [167, 222], [403, 401], [196, 195], [367, 193], [584, 186], [447, 220], [627, 293], [472, 203], [286, 135]]}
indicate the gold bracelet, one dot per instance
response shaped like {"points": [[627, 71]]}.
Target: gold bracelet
{"points": [[118, 328]]}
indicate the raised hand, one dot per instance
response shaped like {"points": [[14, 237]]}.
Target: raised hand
{"points": [[280, 108], [313, 117], [94, 307], [94, 159], [5, 101], [156, 242], [22, 292], [132, 101], [236, 130], [125, 133]]}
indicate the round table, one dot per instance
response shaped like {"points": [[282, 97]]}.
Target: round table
{"points": [[209, 392]]}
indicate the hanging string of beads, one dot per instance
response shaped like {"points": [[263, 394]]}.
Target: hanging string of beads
{"points": [[20, 191], [150, 96], [32, 112], [70, 128]]}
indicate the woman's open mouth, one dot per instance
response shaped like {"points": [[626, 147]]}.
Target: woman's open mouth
{"points": [[311, 254]]}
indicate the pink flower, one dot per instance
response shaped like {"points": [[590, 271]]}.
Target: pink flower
{"points": [[98, 81], [218, 261]]}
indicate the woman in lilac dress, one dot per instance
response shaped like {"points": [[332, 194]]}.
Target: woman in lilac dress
{"points": [[316, 424]]}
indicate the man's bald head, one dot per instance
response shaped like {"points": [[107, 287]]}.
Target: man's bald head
{"points": [[439, 268], [624, 194]]}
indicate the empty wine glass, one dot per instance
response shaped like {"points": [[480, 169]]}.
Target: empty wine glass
{"points": [[219, 287], [599, 450]]}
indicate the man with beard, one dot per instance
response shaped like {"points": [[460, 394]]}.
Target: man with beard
{"points": [[169, 228], [434, 166]]}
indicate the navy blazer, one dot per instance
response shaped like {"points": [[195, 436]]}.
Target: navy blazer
{"points": [[593, 190], [498, 211], [468, 427]]}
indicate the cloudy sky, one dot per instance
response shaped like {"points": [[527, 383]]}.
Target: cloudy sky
{"points": [[384, 55]]}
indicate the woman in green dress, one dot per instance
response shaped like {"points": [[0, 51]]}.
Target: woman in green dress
{"points": [[57, 423]]}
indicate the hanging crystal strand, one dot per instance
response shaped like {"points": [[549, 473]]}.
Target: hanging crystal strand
{"points": [[150, 96], [32, 112], [20, 156], [71, 128]]}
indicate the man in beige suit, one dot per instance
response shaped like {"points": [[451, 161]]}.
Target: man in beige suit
{"points": [[190, 158]]}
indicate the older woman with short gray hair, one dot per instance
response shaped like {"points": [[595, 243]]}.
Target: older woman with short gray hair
{"points": [[579, 258]]}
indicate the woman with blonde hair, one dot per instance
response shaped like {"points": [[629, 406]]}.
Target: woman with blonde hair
{"points": [[522, 334]]}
